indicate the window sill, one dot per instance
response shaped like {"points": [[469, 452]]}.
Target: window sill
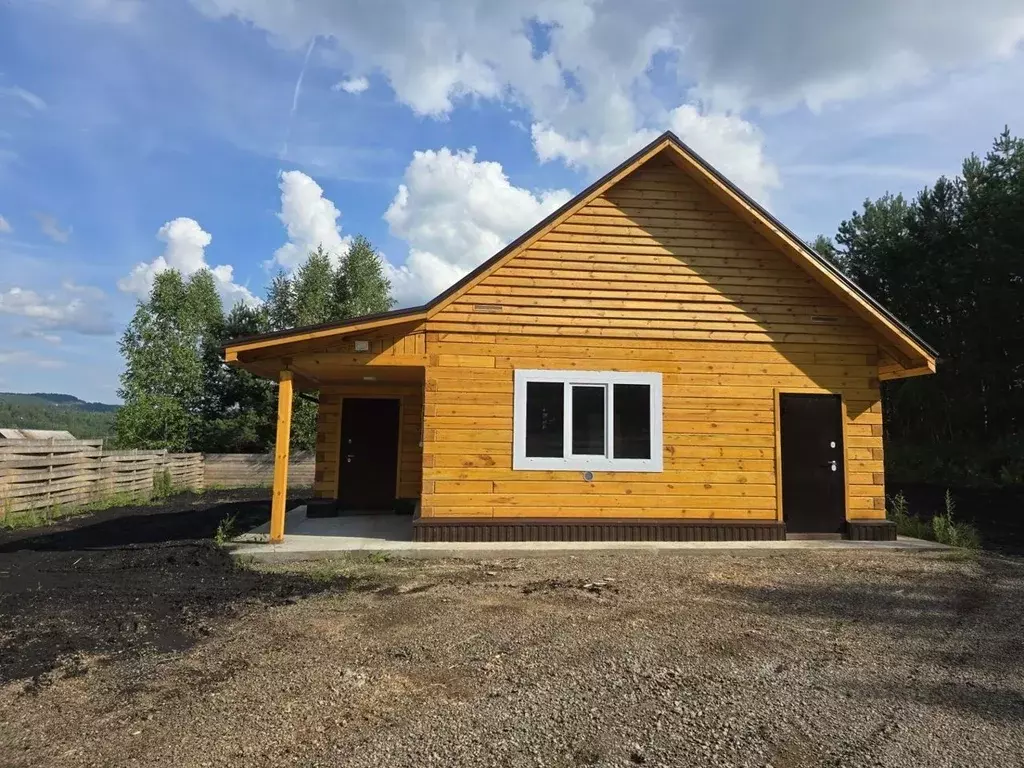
{"points": [[583, 464]]}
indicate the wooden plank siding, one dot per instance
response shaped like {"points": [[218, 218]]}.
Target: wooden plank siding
{"points": [[654, 275], [328, 435], [321, 360]]}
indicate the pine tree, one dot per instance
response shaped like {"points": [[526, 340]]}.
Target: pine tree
{"points": [[823, 246], [949, 264], [368, 291], [313, 290], [281, 303]]}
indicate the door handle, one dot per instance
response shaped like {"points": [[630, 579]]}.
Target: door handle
{"points": [[832, 464], [349, 457]]}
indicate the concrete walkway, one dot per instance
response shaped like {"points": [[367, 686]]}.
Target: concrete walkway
{"points": [[325, 537]]}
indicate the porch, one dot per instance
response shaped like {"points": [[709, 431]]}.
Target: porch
{"points": [[312, 538], [368, 380]]}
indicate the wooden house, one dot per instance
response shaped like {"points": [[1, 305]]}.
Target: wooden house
{"points": [[658, 359]]}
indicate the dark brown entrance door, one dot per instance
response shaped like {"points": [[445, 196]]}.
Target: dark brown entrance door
{"points": [[813, 488], [369, 453]]}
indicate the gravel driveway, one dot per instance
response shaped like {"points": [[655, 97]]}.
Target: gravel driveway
{"points": [[752, 659]]}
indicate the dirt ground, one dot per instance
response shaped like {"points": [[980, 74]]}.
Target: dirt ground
{"points": [[127, 580], [158, 651]]}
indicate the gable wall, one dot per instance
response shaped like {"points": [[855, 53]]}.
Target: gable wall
{"points": [[655, 275]]}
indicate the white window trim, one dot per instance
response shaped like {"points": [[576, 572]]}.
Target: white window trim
{"points": [[577, 462]]}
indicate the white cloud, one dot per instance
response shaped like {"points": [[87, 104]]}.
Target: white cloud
{"points": [[64, 309], [597, 77], [185, 251], [21, 357], [819, 53], [5, 226], [38, 335], [730, 143], [455, 212], [50, 226], [352, 85], [26, 97], [310, 219], [596, 155]]}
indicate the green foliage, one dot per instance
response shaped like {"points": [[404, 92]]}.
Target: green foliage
{"points": [[153, 421], [178, 392], [240, 412], [163, 484], [53, 411], [824, 246], [999, 462], [950, 263], [169, 349], [280, 304], [314, 299], [226, 531], [367, 291], [69, 402], [949, 530], [943, 528], [906, 524]]}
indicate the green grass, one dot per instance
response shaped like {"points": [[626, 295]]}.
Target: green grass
{"points": [[943, 527], [33, 518]]}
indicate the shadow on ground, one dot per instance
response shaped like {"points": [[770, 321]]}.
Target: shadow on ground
{"points": [[129, 580]]}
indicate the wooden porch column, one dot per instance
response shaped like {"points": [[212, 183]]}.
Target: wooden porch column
{"points": [[284, 436]]}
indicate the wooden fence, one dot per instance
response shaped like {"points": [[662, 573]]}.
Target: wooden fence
{"points": [[239, 470], [39, 474]]}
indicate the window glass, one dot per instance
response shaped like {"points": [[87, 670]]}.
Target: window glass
{"points": [[608, 421], [544, 419], [588, 420], [632, 422]]}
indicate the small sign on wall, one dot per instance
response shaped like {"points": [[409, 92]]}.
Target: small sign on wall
{"points": [[362, 346]]}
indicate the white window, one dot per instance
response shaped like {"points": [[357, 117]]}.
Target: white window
{"points": [[596, 420]]}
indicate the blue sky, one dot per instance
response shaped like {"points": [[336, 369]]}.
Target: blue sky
{"points": [[236, 134]]}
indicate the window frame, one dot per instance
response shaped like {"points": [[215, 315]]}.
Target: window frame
{"points": [[568, 460]]}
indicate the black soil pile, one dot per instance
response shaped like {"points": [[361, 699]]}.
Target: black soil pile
{"points": [[127, 581]]}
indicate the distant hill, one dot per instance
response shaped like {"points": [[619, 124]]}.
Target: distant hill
{"points": [[51, 410], [54, 398]]}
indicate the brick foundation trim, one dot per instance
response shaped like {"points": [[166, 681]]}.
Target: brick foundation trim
{"points": [[589, 529], [871, 530]]}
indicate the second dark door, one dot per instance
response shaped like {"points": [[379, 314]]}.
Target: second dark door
{"points": [[813, 485], [369, 453]]}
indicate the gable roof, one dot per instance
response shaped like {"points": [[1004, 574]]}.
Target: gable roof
{"points": [[912, 346]]}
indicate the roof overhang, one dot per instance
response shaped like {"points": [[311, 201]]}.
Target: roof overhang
{"points": [[279, 342]]}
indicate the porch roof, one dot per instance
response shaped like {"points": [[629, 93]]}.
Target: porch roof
{"points": [[337, 354]]}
